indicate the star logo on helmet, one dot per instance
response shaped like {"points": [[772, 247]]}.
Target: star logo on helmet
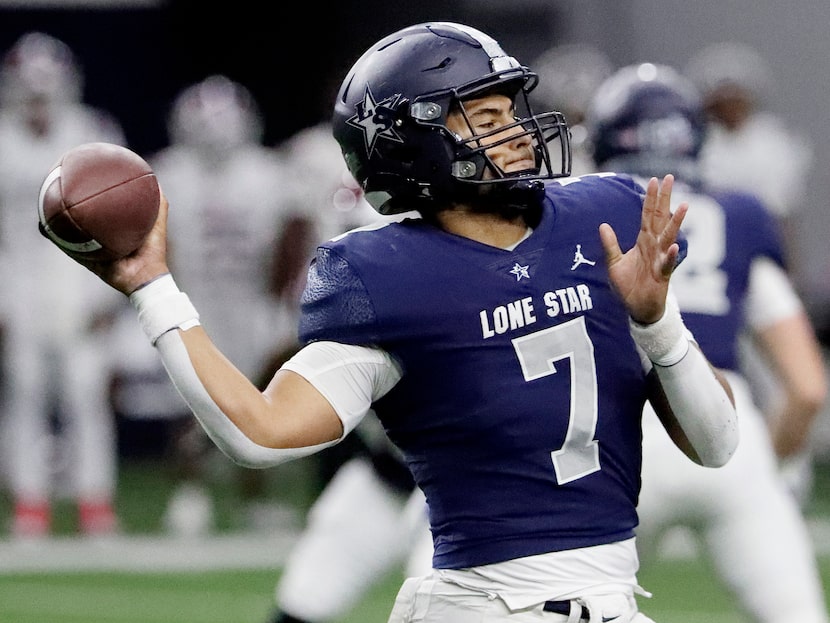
{"points": [[376, 119]]}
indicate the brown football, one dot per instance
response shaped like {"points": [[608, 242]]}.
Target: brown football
{"points": [[99, 200]]}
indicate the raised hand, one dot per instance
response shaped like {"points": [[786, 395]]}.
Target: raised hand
{"points": [[641, 275]]}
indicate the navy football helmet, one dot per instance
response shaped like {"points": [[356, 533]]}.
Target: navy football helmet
{"points": [[647, 120], [391, 112]]}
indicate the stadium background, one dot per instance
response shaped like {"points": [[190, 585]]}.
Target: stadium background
{"points": [[137, 55]]}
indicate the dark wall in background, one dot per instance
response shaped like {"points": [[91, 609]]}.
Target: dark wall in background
{"points": [[136, 60], [124, 55]]}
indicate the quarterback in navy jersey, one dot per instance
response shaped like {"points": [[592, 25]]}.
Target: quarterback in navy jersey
{"points": [[534, 337], [732, 283], [507, 339]]}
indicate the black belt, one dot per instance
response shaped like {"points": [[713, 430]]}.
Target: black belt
{"points": [[564, 607]]}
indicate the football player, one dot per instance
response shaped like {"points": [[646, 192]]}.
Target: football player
{"points": [[369, 518], [745, 140], [232, 209], [511, 377], [59, 429], [646, 120]]}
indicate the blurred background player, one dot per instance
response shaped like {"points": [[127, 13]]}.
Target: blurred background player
{"points": [[369, 518], [232, 208], [647, 120], [323, 189], [569, 75], [751, 148], [748, 146], [58, 428]]}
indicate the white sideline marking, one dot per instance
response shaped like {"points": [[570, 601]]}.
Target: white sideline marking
{"points": [[146, 553], [243, 551]]}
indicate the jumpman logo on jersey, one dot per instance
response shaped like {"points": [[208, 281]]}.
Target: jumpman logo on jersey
{"points": [[520, 271], [580, 259]]}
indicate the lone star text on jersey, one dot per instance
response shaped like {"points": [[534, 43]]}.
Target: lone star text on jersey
{"points": [[522, 312]]}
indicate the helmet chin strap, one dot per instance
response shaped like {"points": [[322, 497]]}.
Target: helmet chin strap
{"points": [[521, 195], [508, 198]]}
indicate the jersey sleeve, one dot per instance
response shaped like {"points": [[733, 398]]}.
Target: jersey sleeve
{"points": [[770, 296], [350, 377], [335, 304]]}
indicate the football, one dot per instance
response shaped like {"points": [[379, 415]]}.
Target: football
{"points": [[99, 201]]}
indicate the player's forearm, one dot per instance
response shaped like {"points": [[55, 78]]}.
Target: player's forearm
{"points": [[251, 428], [696, 404], [791, 347], [702, 407], [790, 425], [790, 429]]}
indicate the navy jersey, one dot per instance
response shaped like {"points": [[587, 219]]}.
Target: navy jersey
{"points": [[519, 408], [726, 232]]}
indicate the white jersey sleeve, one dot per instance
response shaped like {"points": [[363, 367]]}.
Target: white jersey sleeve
{"points": [[350, 377], [770, 296]]}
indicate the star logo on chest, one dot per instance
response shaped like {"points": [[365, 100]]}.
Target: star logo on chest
{"points": [[376, 119], [520, 271]]}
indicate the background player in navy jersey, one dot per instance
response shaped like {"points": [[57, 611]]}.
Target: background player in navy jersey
{"points": [[645, 120], [512, 381]]}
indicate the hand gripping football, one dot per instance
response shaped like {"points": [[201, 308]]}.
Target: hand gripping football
{"points": [[99, 201]]}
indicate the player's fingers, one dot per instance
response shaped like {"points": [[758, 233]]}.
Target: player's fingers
{"points": [[650, 201], [663, 208], [670, 262], [672, 228], [159, 231], [608, 237]]}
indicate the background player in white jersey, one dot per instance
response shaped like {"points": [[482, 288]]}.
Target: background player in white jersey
{"points": [[58, 428], [512, 382], [645, 120], [228, 188], [747, 146], [569, 75], [232, 208], [369, 518]]}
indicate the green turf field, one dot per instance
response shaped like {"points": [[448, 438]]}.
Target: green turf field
{"points": [[684, 593], [684, 589]]}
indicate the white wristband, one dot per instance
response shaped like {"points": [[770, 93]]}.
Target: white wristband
{"points": [[664, 342], [162, 307]]}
